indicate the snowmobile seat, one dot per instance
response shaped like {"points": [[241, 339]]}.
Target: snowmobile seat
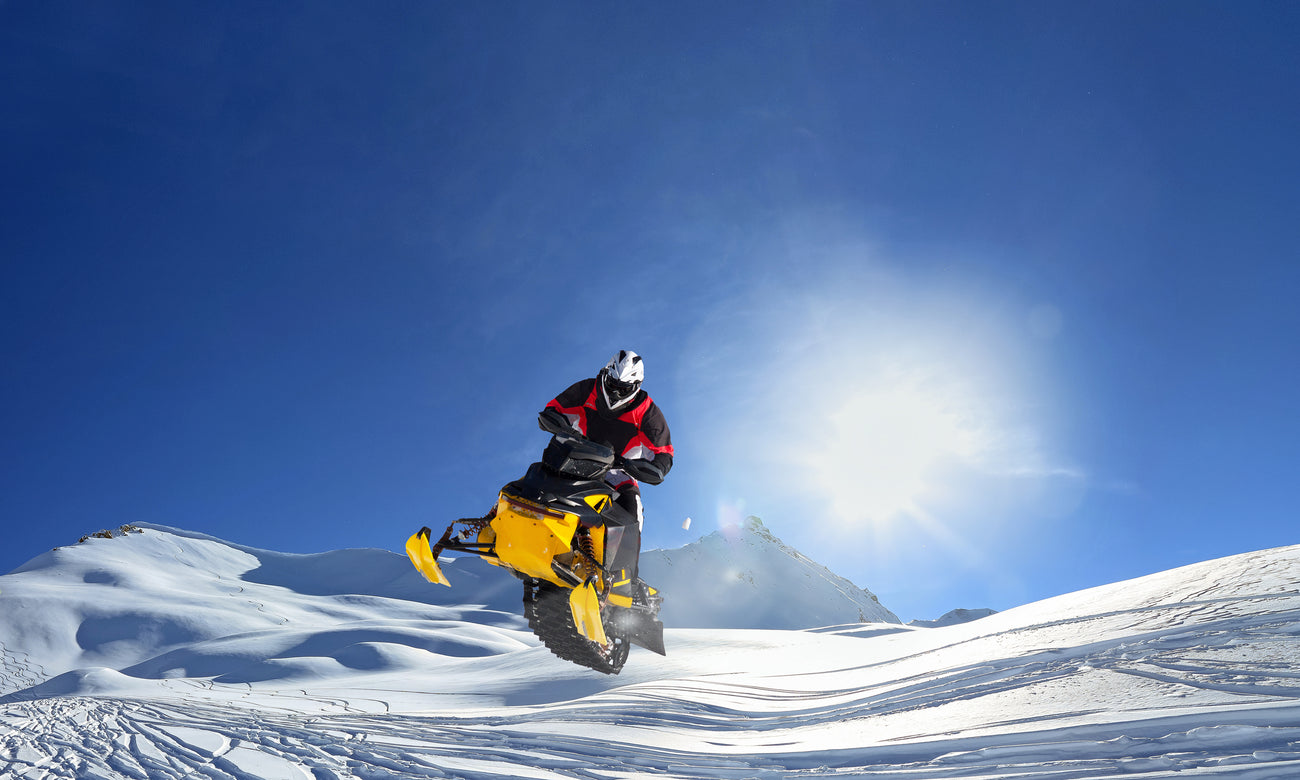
{"points": [[545, 486]]}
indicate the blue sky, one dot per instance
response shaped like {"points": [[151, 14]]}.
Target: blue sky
{"points": [[975, 303]]}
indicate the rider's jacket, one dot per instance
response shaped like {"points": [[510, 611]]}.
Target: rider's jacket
{"points": [[636, 429]]}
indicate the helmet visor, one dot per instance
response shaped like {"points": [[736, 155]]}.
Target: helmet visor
{"points": [[616, 390]]}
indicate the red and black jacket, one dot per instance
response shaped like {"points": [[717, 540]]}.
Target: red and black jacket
{"points": [[635, 430]]}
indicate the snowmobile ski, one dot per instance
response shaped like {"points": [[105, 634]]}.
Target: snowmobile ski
{"points": [[585, 603], [424, 558]]}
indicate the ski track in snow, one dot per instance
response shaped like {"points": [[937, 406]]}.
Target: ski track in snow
{"points": [[90, 738], [1193, 676], [17, 671], [722, 728]]}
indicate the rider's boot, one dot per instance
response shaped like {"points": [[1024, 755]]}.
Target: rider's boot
{"points": [[623, 563]]}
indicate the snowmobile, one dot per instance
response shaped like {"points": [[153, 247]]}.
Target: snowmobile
{"points": [[550, 529]]}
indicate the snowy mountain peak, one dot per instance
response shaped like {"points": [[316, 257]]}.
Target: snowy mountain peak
{"points": [[745, 577], [954, 617]]}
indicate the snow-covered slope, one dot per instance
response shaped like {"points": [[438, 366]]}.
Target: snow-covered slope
{"points": [[744, 577], [162, 604], [167, 654]]}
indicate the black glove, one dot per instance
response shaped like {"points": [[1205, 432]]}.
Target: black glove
{"points": [[644, 470], [554, 421]]}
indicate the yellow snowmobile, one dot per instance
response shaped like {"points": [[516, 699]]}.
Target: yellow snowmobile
{"points": [[550, 529]]}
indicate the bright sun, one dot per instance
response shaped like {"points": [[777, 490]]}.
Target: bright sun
{"points": [[895, 438], [873, 401], [885, 443]]}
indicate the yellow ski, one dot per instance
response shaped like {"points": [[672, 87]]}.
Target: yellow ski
{"points": [[585, 605], [421, 554]]}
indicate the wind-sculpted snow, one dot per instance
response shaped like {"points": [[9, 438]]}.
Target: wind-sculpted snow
{"points": [[1189, 673]]}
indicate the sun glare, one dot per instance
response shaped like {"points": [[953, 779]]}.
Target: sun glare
{"points": [[878, 404], [886, 443], [875, 448]]}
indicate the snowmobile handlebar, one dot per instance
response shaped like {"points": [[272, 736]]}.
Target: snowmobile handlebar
{"points": [[555, 423], [552, 421], [644, 470]]}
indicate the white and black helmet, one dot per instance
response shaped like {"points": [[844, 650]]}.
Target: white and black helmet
{"points": [[621, 378]]}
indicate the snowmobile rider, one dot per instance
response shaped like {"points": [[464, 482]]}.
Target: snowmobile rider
{"points": [[613, 410]]}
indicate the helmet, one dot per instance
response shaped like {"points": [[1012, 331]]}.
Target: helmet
{"points": [[621, 378]]}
